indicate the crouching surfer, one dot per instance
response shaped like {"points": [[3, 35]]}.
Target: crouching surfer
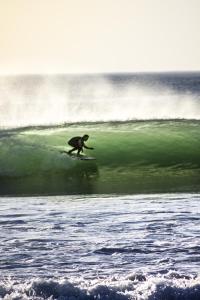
{"points": [[78, 143]]}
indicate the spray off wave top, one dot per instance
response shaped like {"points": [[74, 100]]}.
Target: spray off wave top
{"points": [[57, 99]]}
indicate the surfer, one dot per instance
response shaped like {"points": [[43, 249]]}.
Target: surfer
{"points": [[78, 143]]}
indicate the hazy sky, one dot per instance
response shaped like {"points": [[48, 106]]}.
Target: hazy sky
{"points": [[65, 36]]}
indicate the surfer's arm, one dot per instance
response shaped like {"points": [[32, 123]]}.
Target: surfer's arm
{"points": [[91, 148]]}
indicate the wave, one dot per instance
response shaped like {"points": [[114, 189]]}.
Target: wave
{"points": [[136, 286], [131, 157], [44, 100]]}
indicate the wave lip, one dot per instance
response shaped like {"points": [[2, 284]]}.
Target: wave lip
{"points": [[133, 287]]}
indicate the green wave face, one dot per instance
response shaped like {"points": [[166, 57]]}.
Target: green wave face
{"points": [[135, 157]]}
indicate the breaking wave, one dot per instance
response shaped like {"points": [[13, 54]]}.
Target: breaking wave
{"points": [[133, 287], [148, 156]]}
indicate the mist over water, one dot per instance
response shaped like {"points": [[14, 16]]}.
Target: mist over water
{"points": [[56, 99]]}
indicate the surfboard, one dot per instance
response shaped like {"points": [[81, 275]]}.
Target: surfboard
{"points": [[84, 157], [80, 157]]}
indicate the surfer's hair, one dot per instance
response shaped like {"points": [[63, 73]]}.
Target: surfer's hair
{"points": [[86, 136]]}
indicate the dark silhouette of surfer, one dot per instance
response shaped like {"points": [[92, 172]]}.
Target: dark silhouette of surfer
{"points": [[78, 143]]}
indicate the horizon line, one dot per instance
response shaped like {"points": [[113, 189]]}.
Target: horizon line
{"points": [[99, 73]]}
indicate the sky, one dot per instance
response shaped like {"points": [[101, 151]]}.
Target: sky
{"points": [[99, 36]]}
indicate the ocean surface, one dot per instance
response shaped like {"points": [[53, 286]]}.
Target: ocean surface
{"points": [[100, 247], [123, 226]]}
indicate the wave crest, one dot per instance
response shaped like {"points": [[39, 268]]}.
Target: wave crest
{"points": [[157, 287]]}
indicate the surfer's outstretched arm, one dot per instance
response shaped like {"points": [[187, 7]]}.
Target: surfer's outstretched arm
{"points": [[91, 148]]}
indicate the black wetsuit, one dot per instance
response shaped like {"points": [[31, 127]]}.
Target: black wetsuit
{"points": [[77, 143]]}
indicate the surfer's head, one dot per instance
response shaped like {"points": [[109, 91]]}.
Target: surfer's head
{"points": [[85, 137]]}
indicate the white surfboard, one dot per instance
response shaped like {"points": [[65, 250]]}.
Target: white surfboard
{"points": [[79, 157]]}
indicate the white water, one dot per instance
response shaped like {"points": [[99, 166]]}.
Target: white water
{"points": [[44, 100], [116, 288]]}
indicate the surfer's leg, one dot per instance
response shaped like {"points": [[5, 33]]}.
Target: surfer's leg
{"points": [[79, 150], [72, 150]]}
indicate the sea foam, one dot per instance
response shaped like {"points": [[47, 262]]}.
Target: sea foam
{"points": [[158, 287]]}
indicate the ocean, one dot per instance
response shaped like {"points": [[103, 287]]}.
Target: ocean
{"points": [[123, 226]]}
